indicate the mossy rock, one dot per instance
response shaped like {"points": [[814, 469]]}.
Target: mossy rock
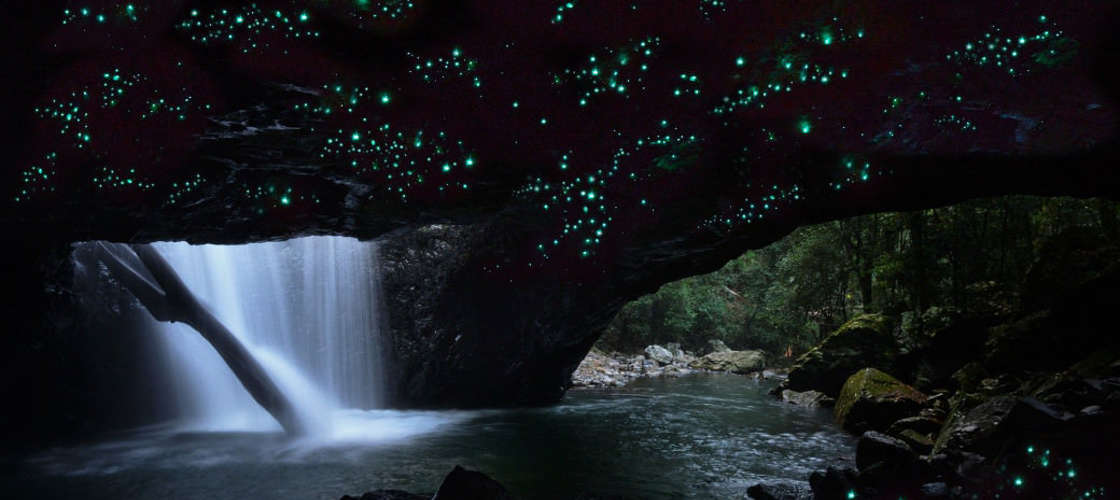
{"points": [[732, 361], [864, 341], [873, 400]]}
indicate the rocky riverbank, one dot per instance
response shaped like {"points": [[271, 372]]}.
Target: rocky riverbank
{"points": [[601, 369], [1017, 397]]}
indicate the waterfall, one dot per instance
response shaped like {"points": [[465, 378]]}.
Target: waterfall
{"points": [[308, 310]]}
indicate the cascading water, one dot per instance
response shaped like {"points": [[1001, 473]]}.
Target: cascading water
{"points": [[307, 309]]}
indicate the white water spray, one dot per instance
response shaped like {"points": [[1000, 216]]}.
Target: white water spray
{"points": [[307, 309]]}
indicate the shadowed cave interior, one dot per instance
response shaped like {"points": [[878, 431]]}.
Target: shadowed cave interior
{"points": [[641, 249]]}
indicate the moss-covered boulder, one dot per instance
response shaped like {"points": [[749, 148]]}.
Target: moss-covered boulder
{"points": [[732, 361], [873, 400], [864, 341]]}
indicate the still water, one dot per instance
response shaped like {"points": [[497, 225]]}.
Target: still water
{"points": [[701, 436]]}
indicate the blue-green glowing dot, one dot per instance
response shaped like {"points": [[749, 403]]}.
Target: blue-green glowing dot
{"points": [[1071, 473], [516, 104], [1018, 481], [740, 61], [851, 493], [805, 127], [355, 136], [469, 161], [446, 167], [385, 98], [284, 200], [303, 16]]}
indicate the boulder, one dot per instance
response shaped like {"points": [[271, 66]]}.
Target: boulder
{"points": [[659, 354], [780, 490], [920, 424], [863, 341], [674, 348], [716, 345], [731, 361], [873, 400], [920, 443], [810, 399], [979, 430], [874, 447], [463, 484], [833, 483]]}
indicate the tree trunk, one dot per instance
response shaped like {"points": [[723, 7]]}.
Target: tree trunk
{"points": [[152, 280]]}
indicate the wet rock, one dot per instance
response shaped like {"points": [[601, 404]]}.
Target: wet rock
{"points": [[780, 490], [874, 447], [920, 424], [659, 354], [833, 483], [463, 484], [809, 399], [978, 430], [674, 348], [861, 342], [935, 490], [920, 443], [873, 400], [731, 361], [388, 495]]}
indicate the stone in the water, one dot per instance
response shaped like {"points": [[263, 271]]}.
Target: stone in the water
{"points": [[780, 490], [659, 354], [809, 399], [463, 484], [732, 361], [861, 342], [873, 400]]}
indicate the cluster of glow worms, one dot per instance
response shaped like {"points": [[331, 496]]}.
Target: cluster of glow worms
{"points": [[246, 26], [383, 10], [109, 178], [1016, 54], [613, 71], [955, 123], [182, 188], [37, 178], [406, 159], [400, 159], [442, 68], [127, 12], [276, 196], [706, 8], [70, 116], [788, 71], [582, 202], [1044, 466]]}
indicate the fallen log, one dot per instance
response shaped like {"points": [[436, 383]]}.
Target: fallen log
{"points": [[144, 272]]}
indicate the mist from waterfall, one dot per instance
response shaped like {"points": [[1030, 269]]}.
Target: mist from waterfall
{"points": [[308, 309]]}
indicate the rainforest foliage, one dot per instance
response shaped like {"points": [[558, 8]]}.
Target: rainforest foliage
{"points": [[788, 295]]}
